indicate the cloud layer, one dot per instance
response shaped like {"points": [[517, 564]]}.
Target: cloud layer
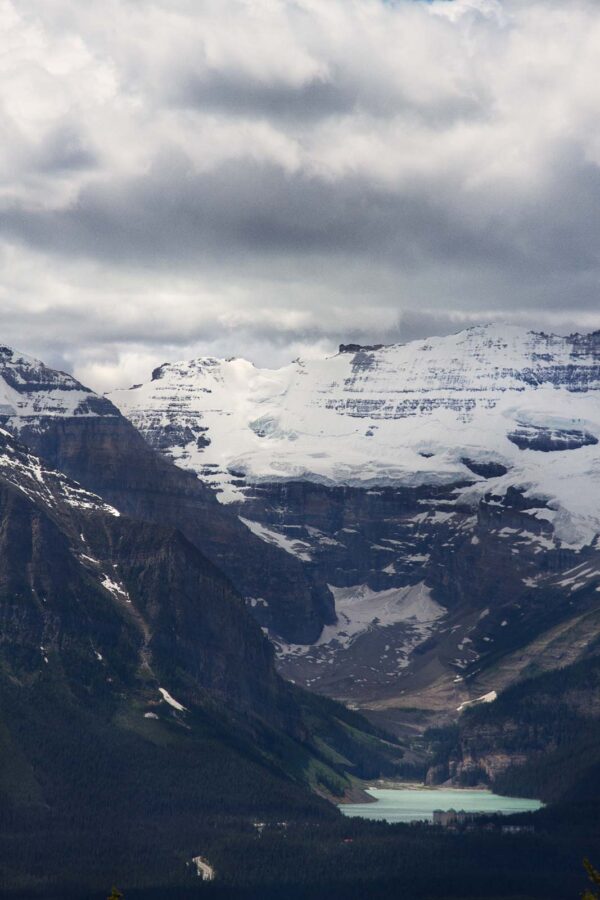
{"points": [[270, 177]]}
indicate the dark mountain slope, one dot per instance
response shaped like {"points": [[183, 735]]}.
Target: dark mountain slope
{"points": [[78, 581], [77, 432], [139, 704], [540, 737]]}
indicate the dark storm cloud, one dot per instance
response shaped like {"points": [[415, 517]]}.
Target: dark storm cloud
{"points": [[321, 97], [238, 96], [257, 213]]}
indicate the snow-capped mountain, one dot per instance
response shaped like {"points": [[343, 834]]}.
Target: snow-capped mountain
{"points": [[465, 467], [430, 412], [29, 390]]}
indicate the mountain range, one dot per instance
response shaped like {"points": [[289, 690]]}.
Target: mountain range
{"points": [[193, 570]]}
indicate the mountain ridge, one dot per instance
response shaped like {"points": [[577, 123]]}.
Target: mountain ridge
{"points": [[466, 467], [84, 435]]}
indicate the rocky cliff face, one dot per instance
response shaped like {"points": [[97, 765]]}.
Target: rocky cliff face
{"points": [[85, 436], [108, 604], [446, 490], [538, 738]]}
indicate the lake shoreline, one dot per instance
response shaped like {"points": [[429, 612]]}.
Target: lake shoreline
{"points": [[398, 802], [361, 791], [419, 786]]}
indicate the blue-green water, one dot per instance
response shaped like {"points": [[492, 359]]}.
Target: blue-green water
{"points": [[410, 804]]}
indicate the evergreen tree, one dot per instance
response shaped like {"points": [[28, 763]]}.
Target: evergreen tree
{"points": [[594, 876]]}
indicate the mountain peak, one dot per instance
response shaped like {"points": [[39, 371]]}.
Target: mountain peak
{"points": [[30, 390], [357, 348]]}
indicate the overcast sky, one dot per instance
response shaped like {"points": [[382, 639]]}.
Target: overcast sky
{"points": [[267, 178]]}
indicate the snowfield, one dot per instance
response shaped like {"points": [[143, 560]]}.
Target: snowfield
{"points": [[359, 608], [427, 412]]}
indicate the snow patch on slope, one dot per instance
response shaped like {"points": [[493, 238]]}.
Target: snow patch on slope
{"points": [[115, 588], [171, 700], [486, 698], [297, 548], [359, 608], [28, 474]]}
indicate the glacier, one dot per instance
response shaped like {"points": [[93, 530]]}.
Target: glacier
{"points": [[522, 405]]}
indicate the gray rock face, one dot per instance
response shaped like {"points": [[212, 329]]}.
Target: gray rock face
{"points": [[548, 439], [112, 458], [502, 594]]}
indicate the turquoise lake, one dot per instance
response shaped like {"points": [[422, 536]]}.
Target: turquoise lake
{"points": [[413, 804]]}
